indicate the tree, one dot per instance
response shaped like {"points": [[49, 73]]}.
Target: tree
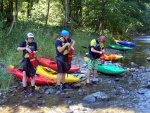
{"points": [[47, 12]]}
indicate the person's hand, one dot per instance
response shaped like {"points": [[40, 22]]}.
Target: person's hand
{"points": [[100, 52], [103, 51], [72, 47], [35, 52], [27, 49], [67, 44]]}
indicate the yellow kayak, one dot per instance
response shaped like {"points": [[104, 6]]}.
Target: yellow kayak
{"points": [[47, 72]]}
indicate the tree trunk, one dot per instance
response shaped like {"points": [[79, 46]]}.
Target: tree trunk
{"points": [[101, 18], [66, 12], [1, 7], [47, 12], [9, 11], [28, 10], [16, 3], [29, 7], [14, 19]]}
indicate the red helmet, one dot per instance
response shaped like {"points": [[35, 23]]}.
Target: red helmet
{"points": [[102, 39]]}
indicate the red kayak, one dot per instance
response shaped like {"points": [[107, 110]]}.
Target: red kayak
{"points": [[52, 64], [39, 80]]}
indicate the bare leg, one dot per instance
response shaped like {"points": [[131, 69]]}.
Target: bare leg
{"points": [[95, 74], [33, 81], [58, 78], [24, 81], [88, 76], [63, 78]]}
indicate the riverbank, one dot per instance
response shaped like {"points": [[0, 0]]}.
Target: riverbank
{"points": [[126, 93]]}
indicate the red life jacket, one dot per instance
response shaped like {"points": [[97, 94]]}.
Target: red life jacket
{"points": [[71, 51], [102, 59], [32, 59]]}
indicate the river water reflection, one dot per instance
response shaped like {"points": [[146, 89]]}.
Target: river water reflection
{"points": [[129, 91], [139, 54]]}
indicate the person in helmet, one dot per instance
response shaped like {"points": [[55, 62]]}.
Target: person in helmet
{"points": [[28, 46], [96, 48], [63, 44]]}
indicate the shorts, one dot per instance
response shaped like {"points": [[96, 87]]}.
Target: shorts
{"points": [[92, 64], [63, 66], [28, 68]]}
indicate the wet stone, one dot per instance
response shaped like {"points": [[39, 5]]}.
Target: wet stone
{"points": [[89, 98], [50, 91], [25, 101], [101, 95], [77, 85], [117, 79], [141, 91]]}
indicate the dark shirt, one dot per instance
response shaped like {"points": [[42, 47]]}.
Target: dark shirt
{"points": [[94, 44], [32, 46], [59, 43]]}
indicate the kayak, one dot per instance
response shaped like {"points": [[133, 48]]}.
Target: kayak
{"points": [[47, 72], [39, 80], [125, 43], [52, 64], [122, 48], [109, 69], [112, 57]]}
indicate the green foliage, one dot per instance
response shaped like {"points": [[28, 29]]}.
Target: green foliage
{"points": [[119, 19], [5, 80]]}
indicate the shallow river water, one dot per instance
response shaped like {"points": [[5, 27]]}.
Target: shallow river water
{"points": [[128, 93]]}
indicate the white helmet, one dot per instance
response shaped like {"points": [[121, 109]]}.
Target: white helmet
{"points": [[29, 35]]}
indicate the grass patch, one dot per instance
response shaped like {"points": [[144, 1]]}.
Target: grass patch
{"points": [[45, 36]]}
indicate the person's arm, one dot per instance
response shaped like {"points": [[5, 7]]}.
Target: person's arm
{"points": [[93, 44], [61, 49], [72, 43], [59, 46], [22, 47], [95, 51], [36, 49]]}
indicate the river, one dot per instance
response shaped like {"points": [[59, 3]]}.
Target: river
{"points": [[128, 93]]}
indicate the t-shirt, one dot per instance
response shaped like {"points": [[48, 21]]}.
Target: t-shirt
{"points": [[95, 44], [59, 43], [32, 46]]}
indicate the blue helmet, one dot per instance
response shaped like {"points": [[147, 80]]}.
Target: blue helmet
{"points": [[64, 33], [29, 35]]}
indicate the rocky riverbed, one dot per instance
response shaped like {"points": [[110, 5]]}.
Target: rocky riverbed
{"points": [[126, 93]]}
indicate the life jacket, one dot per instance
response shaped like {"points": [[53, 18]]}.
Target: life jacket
{"points": [[31, 56], [70, 54], [68, 51], [97, 47], [102, 58]]}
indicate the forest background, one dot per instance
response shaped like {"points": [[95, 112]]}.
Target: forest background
{"points": [[85, 20]]}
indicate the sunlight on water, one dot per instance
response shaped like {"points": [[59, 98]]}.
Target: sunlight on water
{"points": [[139, 54]]}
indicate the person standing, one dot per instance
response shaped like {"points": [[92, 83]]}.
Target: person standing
{"points": [[96, 48], [63, 44], [28, 46]]}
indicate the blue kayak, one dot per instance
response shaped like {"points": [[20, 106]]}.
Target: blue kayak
{"points": [[126, 43]]}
